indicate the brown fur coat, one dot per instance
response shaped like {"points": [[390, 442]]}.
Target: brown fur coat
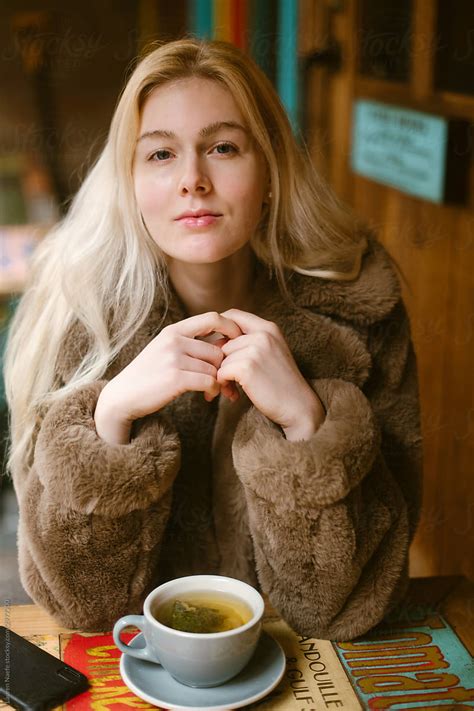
{"points": [[322, 526]]}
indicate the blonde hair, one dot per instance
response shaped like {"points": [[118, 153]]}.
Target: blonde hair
{"points": [[100, 267]]}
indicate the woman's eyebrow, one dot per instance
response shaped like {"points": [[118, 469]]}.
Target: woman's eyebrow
{"points": [[205, 132]]}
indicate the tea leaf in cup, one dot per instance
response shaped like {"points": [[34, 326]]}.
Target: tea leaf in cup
{"points": [[194, 618]]}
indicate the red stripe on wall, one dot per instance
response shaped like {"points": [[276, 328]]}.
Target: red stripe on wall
{"points": [[238, 19]]}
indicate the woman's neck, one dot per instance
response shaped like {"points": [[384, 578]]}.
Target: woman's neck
{"points": [[215, 287]]}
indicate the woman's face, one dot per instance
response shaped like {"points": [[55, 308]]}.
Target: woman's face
{"points": [[195, 154]]}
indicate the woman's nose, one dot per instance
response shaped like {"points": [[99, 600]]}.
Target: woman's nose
{"points": [[194, 177]]}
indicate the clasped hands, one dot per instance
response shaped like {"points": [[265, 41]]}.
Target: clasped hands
{"points": [[260, 361], [253, 353]]}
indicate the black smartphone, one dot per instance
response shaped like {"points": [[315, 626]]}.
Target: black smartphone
{"points": [[32, 679]]}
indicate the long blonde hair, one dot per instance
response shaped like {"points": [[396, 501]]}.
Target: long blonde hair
{"points": [[99, 265]]}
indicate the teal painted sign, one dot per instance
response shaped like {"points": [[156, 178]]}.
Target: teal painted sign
{"points": [[401, 148], [414, 665]]}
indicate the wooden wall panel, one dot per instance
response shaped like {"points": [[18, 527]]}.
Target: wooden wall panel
{"points": [[434, 247], [429, 242]]}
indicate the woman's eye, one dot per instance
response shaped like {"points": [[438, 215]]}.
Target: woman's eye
{"points": [[163, 154], [227, 148], [160, 155]]}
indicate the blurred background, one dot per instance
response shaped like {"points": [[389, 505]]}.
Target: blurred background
{"points": [[382, 94]]}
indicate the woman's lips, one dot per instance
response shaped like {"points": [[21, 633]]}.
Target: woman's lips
{"points": [[202, 221]]}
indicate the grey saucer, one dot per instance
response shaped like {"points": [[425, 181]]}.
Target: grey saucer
{"points": [[153, 684]]}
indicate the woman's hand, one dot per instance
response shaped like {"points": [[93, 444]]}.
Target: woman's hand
{"points": [[261, 362], [174, 362]]}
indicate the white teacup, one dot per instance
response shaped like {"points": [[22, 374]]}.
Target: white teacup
{"points": [[196, 659]]}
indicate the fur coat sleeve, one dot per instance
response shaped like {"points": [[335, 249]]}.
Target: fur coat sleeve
{"points": [[332, 517], [92, 515]]}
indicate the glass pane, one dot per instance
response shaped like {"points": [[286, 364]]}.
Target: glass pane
{"points": [[384, 39], [455, 50]]}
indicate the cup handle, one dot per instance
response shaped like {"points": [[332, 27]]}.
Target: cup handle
{"points": [[135, 621]]}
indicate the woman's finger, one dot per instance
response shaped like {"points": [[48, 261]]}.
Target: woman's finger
{"points": [[216, 338], [227, 389], [236, 344], [200, 382], [248, 322], [204, 351], [205, 324], [196, 365]]}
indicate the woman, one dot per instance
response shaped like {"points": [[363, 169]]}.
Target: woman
{"points": [[211, 370]]}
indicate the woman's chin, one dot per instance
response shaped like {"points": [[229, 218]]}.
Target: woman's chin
{"points": [[202, 255]]}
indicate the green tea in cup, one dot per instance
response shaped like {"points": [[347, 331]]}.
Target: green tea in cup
{"points": [[203, 612]]}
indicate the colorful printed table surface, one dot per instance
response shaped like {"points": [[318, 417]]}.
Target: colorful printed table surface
{"points": [[420, 657]]}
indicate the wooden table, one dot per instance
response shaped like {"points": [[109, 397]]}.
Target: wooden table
{"points": [[30, 620], [450, 599], [453, 594]]}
